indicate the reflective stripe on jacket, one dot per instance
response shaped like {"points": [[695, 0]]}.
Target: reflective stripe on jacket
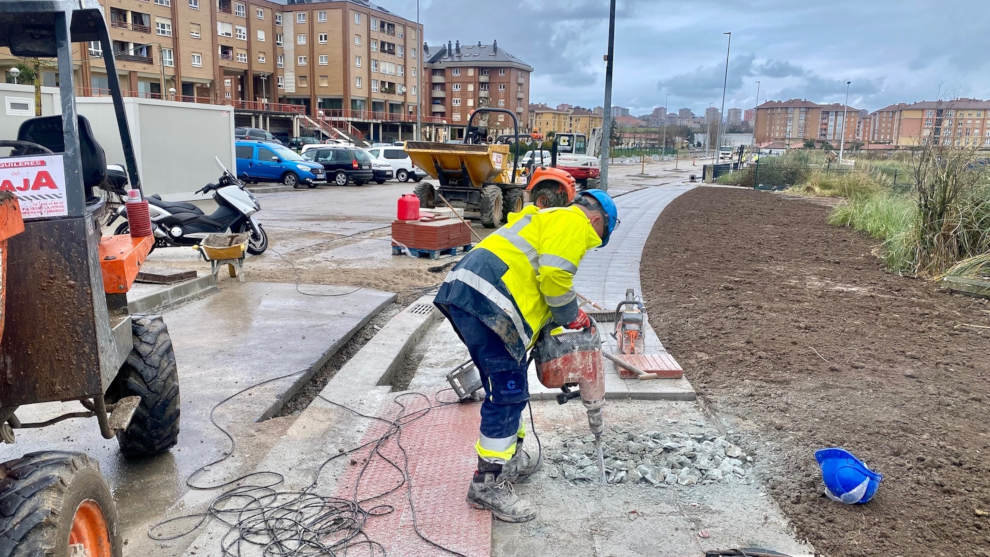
{"points": [[522, 274]]}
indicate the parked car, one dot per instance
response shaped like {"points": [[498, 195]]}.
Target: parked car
{"points": [[399, 160], [298, 142], [382, 171], [342, 164], [261, 161], [256, 134]]}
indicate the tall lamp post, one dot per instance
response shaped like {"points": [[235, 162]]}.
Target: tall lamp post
{"points": [[419, 92], [663, 146], [607, 112], [842, 140], [725, 80], [756, 110]]}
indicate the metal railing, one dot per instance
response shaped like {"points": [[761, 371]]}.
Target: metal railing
{"points": [[341, 114], [132, 26], [263, 106], [125, 57]]}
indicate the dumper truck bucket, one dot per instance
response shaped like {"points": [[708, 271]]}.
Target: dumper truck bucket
{"points": [[457, 164]]}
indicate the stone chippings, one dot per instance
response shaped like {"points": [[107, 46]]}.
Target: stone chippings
{"points": [[650, 458]]}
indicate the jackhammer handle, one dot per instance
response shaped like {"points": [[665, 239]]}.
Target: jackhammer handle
{"points": [[563, 397]]}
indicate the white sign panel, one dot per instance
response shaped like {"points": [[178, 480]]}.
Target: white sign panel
{"points": [[497, 159], [38, 182]]}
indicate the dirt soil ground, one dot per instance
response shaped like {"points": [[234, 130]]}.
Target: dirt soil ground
{"points": [[793, 332]]}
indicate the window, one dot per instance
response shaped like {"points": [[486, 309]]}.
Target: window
{"points": [[259, 13], [261, 35], [197, 60], [324, 59], [280, 61], [401, 70], [194, 30], [301, 38], [414, 90], [95, 49], [501, 87], [226, 83], [168, 58], [470, 86], [278, 39], [357, 61], [412, 71], [262, 59], [300, 60], [321, 16], [240, 33], [457, 116], [225, 29], [501, 102], [470, 102], [278, 21], [163, 27], [244, 151], [455, 72], [280, 82], [400, 52], [239, 10], [357, 82], [374, 65], [324, 81], [357, 40], [300, 17], [374, 45], [456, 87], [401, 34], [373, 21], [193, 4], [322, 38], [374, 85], [412, 53], [455, 102], [163, 2], [242, 56], [303, 81], [357, 18]]}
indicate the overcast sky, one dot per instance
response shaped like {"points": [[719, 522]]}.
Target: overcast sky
{"points": [[891, 50]]}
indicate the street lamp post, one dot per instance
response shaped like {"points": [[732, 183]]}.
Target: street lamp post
{"points": [[607, 110], [419, 88], [663, 146], [725, 81], [756, 110], [842, 140]]}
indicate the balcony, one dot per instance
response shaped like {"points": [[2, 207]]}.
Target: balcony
{"points": [[438, 93], [125, 57], [437, 108], [519, 108], [483, 94], [483, 78], [521, 80], [437, 78]]}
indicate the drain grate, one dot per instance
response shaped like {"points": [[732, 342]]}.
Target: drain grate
{"points": [[421, 309]]}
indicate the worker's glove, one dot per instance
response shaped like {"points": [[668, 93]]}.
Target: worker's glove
{"points": [[582, 321]]}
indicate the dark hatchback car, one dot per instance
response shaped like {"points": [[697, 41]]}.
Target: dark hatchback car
{"points": [[343, 164]]}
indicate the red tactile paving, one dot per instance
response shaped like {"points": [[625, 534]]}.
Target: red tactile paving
{"points": [[441, 460], [661, 364]]}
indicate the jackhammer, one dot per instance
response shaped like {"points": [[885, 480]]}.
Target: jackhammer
{"points": [[572, 361]]}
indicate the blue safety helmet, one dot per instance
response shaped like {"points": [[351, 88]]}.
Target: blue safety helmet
{"points": [[608, 205], [847, 479]]}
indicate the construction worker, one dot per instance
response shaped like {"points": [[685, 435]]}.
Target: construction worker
{"points": [[498, 298]]}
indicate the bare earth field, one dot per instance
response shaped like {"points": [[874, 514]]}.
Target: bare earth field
{"points": [[796, 337]]}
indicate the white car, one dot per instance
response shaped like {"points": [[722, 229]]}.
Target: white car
{"points": [[399, 160]]}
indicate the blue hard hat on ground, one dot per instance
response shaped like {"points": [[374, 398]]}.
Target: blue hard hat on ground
{"points": [[608, 205], [847, 479]]}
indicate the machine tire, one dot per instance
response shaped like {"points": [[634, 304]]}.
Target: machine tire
{"points": [[592, 184], [426, 194], [490, 206], [150, 373], [513, 202], [256, 244], [417, 177], [290, 179], [340, 179], [42, 494], [125, 228], [548, 194], [401, 175]]}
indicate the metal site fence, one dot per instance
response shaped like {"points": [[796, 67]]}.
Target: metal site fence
{"points": [[636, 152], [779, 173]]}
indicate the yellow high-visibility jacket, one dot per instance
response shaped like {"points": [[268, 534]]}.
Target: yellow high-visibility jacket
{"points": [[521, 275]]}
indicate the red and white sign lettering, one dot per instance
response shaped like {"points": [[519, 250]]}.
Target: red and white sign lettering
{"points": [[38, 182]]}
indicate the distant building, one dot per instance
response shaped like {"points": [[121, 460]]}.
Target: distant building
{"points": [[799, 120], [619, 111], [462, 77], [711, 115], [685, 117], [749, 115], [959, 122], [573, 119], [733, 117], [657, 117]]}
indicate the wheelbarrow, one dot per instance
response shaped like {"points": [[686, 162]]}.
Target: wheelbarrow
{"points": [[225, 249]]}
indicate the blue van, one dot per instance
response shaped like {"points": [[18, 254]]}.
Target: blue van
{"points": [[261, 161]]}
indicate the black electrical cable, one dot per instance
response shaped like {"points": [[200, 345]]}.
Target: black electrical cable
{"points": [[302, 522]]}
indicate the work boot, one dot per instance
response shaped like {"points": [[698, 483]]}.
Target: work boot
{"points": [[521, 466], [491, 490]]}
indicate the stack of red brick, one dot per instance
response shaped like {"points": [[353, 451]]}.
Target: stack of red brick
{"points": [[431, 232]]}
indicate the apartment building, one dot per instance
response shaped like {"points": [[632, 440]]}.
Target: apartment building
{"points": [[562, 119], [733, 117], [335, 60], [462, 77], [958, 122], [798, 120]]}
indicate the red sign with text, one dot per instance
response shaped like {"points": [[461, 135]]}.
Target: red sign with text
{"points": [[38, 182]]}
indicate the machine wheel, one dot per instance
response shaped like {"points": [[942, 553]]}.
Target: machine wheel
{"points": [[340, 179], [57, 503], [426, 194], [417, 177], [513, 202], [548, 194], [125, 228], [290, 179], [592, 184], [150, 373], [257, 244], [401, 175], [490, 206]]}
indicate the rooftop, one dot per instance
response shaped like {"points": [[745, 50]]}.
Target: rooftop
{"points": [[457, 54]]}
